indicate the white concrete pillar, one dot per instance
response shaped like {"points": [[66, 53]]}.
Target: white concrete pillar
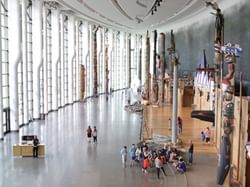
{"points": [[14, 59], [1, 103], [45, 63], [77, 57], [25, 63], [37, 54], [55, 56], [91, 57], [62, 94], [71, 56]]}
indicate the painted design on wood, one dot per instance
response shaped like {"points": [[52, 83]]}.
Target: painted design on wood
{"points": [[228, 111]]}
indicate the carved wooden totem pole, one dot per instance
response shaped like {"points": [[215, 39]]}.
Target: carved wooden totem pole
{"points": [[95, 92], [147, 63], [161, 67], [154, 88], [174, 61], [106, 59], [82, 81], [224, 54]]}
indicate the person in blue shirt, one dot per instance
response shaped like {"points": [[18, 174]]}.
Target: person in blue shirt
{"points": [[181, 166], [132, 152]]}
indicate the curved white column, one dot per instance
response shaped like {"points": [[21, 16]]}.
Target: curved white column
{"points": [[14, 58], [25, 63], [77, 56], [55, 56], [37, 55], [71, 56], [1, 103], [45, 63], [62, 86]]}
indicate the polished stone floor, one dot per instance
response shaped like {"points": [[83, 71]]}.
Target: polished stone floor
{"points": [[71, 161]]}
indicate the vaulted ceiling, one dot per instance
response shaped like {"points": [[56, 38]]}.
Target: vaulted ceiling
{"points": [[136, 15]]}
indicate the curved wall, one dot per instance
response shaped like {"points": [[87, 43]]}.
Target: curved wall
{"points": [[192, 39]]}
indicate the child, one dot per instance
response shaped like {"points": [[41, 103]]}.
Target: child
{"points": [[203, 136]]}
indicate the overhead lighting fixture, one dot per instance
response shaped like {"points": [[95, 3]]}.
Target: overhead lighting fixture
{"points": [[141, 4], [156, 4]]}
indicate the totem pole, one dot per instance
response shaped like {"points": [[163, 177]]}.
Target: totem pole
{"points": [[147, 63], [161, 67], [82, 81], [174, 60], [129, 60], [95, 92], [229, 52], [154, 88], [106, 70]]}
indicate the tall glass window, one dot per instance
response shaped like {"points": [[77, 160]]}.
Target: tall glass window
{"points": [[30, 60], [65, 58], [49, 58], [5, 58]]}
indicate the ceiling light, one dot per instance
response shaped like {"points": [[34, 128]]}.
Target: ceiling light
{"points": [[155, 8], [152, 13], [159, 3]]}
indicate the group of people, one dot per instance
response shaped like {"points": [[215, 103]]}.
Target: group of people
{"points": [[205, 136], [148, 158], [92, 133]]}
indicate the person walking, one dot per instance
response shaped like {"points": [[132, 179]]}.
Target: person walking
{"points": [[132, 152], [190, 152], [179, 124], [145, 163], [159, 166], [124, 153], [89, 133], [94, 134]]}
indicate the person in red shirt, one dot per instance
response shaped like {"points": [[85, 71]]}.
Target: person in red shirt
{"points": [[89, 133]]}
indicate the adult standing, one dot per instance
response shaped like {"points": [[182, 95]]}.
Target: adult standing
{"points": [[89, 133], [132, 152], [159, 166], [124, 153], [179, 124], [94, 135], [35, 146], [190, 152]]}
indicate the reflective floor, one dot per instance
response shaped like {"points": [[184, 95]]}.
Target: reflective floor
{"points": [[71, 161]]}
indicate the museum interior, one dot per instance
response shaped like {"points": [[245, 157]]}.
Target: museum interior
{"points": [[171, 77]]}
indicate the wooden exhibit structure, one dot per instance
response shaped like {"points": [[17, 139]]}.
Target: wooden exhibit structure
{"points": [[27, 150], [82, 82]]}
